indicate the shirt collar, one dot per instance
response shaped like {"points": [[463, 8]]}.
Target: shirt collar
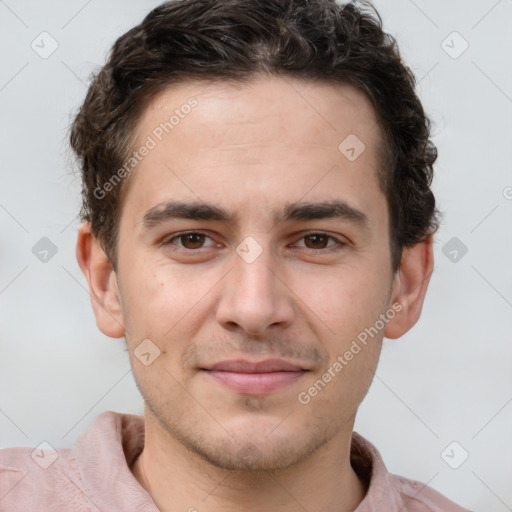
{"points": [[106, 451]]}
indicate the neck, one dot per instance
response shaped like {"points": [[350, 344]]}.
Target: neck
{"points": [[178, 479]]}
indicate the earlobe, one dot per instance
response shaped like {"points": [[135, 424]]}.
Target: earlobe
{"points": [[410, 287], [102, 282]]}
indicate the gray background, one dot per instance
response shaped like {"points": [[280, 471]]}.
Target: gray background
{"points": [[448, 379]]}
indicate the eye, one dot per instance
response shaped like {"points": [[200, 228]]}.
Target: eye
{"points": [[191, 240], [195, 240], [320, 240]]}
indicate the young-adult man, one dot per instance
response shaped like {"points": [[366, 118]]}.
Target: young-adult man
{"points": [[256, 186]]}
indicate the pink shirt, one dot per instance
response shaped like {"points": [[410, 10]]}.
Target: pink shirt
{"points": [[94, 475]]}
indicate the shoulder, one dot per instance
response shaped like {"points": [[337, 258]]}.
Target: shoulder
{"points": [[419, 497], [43, 475], [388, 491], [80, 477]]}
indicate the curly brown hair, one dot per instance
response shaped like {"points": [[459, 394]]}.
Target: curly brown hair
{"points": [[235, 40]]}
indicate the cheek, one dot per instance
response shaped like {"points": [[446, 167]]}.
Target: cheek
{"points": [[149, 302], [345, 300], [161, 300]]}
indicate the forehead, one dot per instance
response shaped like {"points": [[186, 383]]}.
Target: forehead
{"points": [[227, 141], [295, 110]]}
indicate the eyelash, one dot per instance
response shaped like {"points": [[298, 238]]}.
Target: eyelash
{"points": [[339, 243]]}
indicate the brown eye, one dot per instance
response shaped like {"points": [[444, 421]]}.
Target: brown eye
{"points": [[320, 242], [190, 241], [317, 241]]}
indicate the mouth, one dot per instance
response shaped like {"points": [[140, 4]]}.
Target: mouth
{"points": [[255, 378]]}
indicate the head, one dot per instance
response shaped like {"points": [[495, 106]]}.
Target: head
{"points": [[288, 137]]}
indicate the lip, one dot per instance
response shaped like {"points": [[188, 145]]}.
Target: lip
{"points": [[255, 378], [265, 366]]}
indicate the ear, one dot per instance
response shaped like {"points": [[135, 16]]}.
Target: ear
{"points": [[410, 287], [102, 282]]}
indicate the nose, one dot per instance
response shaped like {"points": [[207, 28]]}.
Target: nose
{"points": [[255, 297]]}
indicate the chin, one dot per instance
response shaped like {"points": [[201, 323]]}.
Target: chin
{"points": [[256, 444], [253, 456]]}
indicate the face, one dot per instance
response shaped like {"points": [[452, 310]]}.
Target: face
{"points": [[249, 235]]}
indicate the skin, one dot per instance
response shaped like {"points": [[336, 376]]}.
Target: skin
{"points": [[252, 149]]}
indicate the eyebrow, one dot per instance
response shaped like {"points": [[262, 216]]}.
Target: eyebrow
{"points": [[335, 209]]}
